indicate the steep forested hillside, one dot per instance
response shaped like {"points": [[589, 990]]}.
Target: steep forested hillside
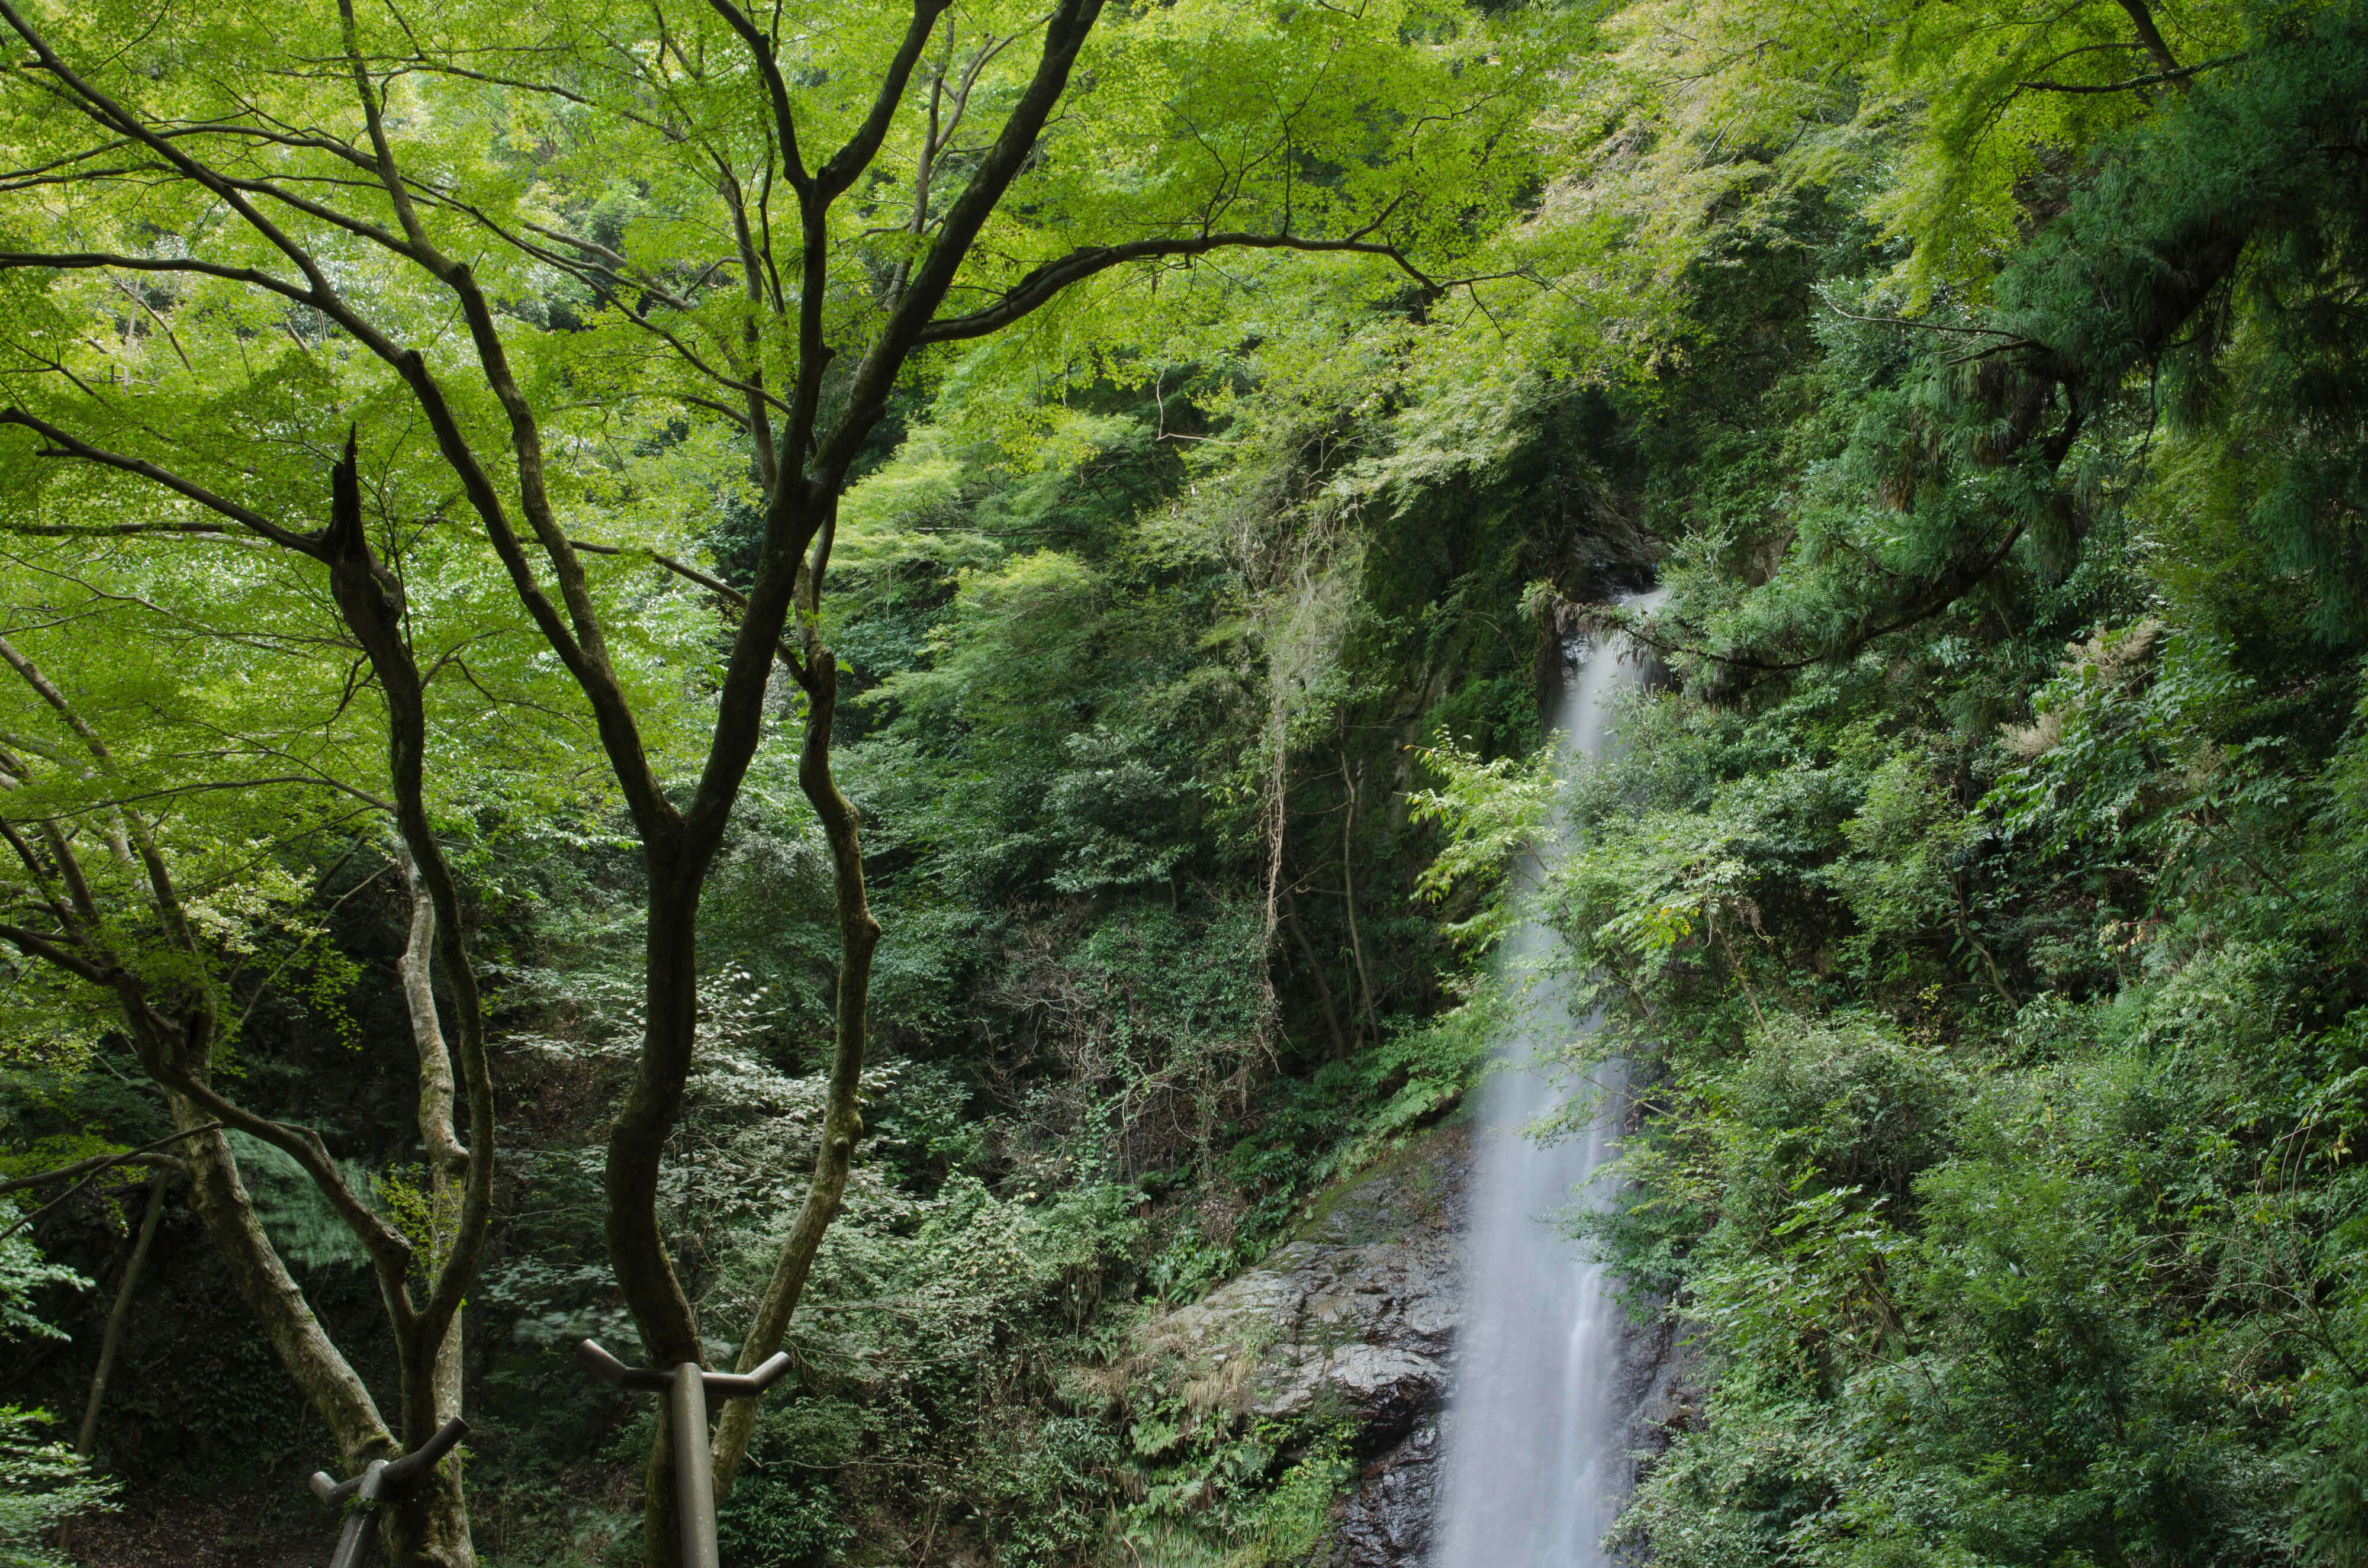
{"points": [[860, 679]]}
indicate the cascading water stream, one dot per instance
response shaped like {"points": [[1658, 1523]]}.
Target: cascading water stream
{"points": [[1537, 1463]]}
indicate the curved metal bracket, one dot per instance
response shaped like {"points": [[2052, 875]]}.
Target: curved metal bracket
{"points": [[686, 1388]]}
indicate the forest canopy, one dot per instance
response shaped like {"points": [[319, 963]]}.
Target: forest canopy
{"points": [[865, 680]]}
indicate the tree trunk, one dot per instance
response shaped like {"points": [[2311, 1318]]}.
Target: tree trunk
{"points": [[222, 1204], [111, 1342], [661, 1530], [858, 935], [1348, 897], [2150, 38], [447, 1162], [432, 1526], [1323, 986], [637, 1252]]}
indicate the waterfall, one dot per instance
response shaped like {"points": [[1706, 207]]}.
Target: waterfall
{"points": [[1537, 1463]]}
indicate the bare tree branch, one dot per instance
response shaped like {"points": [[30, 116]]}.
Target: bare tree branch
{"points": [[140, 1155], [63, 443], [1038, 287], [97, 1167]]}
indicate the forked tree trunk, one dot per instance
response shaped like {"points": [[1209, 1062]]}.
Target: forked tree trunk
{"points": [[431, 1528], [859, 935]]}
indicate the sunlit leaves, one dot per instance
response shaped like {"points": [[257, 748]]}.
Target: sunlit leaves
{"points": [[1497, 815]]}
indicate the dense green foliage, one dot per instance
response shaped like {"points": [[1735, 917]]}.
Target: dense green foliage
{"points": [[1979, 897], [1999, 974]]}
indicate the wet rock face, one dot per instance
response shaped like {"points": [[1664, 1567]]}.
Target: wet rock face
{"points": [[1386, 1522], [1355, 1314], [1657, 1387], [1353, 1319]]}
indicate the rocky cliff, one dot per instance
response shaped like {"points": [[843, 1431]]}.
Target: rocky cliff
{"points": [[1353, 1320]]}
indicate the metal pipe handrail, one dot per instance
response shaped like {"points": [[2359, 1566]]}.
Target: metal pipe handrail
{"points": [[650, 1379], [686, 1388], [384, 1481]]}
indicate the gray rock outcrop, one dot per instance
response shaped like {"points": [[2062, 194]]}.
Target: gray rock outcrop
{"points": [[1353, 1322]]}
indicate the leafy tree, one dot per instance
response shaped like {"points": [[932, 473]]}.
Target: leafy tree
{"points": [[2203, 209], [537, 265], [41, 1486], [1968, 906], [130, 898]]}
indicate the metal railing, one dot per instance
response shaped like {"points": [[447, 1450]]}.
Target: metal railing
{"points": [[686, 1388], [386, 1481]]}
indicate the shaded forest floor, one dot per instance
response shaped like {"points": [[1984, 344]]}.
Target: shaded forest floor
{"points": [[166, 1527]]}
